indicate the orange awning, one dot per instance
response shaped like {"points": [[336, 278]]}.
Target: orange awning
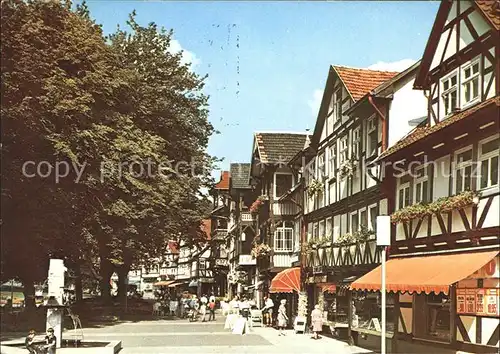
{"points": [[329, 288], [426, 273], [286, 281], [164, 283]]}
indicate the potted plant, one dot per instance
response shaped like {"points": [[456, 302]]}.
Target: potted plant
{"points": [[347, 168], [254, 208], [315, 187], [261, 250]]}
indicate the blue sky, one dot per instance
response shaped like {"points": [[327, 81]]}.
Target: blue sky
{"points": [[267, 61]]}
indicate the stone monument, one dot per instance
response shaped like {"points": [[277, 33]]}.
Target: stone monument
{"points": [[55, 305]]}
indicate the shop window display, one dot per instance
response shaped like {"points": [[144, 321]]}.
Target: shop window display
{"points": [[336, 308], [367, 312], [438, 316]]}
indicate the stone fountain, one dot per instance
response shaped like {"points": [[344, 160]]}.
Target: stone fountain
{"points": [[56, 309]]}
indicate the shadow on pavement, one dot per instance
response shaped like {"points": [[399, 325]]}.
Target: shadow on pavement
{"points": [[93, 313]]}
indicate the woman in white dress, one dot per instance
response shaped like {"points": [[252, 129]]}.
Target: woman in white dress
{"points": [[282, 318]]}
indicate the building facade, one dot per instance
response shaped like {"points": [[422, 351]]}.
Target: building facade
{"points": [[443, 192]]}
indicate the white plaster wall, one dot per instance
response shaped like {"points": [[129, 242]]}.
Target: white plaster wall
{"points": [[493, 216], [406, 105], [488, 326], [400, 232], [422, 232], [480, 25], [470, 326], [457, 224], [439, 50]]}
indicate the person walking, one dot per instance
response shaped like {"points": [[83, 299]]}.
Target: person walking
{"points": [[268, 313], [317, 322], [211, 307], [203, 308], [282, 318]]}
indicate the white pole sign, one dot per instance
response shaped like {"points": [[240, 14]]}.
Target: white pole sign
{"points": [[384, 240]]}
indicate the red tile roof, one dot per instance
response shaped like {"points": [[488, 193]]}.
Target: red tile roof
{"points": [[421, 132], [361, 81], [173, 246], [224, 181], [206, 227], [490, 10]]}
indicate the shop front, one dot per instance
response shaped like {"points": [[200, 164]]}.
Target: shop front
{"points": [[287, 285], [444, 301]]}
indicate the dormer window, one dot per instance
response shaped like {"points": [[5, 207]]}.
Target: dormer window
{"points": [[470, 82], [450, 93]]}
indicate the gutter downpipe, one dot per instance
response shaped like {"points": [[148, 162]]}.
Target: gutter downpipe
{"points": [[384, 121]]}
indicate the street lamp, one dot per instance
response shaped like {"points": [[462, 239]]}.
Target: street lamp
{"points": [[383, 240]]}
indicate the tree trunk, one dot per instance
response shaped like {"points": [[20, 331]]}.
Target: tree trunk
{"points": [[122, 272], [78, 284], [29, 294], [106, 270]]}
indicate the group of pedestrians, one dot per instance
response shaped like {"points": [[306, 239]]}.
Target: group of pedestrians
{"points": [[207, 304]]}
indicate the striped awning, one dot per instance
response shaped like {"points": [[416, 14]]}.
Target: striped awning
{"points": [[286, 281], [329, 288]]}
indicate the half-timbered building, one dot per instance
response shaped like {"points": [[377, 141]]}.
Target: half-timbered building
{"points": [[274, 244], [242, 226], [342, 193], [442, 183]]}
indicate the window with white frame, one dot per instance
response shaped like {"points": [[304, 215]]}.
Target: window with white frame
{"points": [[371, 131], [449, 87], [363, 221], [332, 195], [331, 160], [310, 233], [329, 228], [355, 143], [463, 170], [321, 166], [343, 149], [282, 183], [202, 264], [488, 157], [470, 82], [283, 237], [354, 222], [322, 224], [403, 195], [315, 231], [421, 187], [372, 211]]}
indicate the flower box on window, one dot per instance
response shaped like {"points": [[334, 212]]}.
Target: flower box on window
{"points": [[442, 205]]}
